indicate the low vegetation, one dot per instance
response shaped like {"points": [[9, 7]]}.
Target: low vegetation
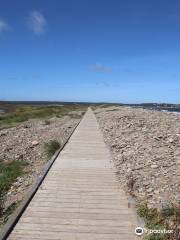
{"points": [[51, 147], [21, 113], [47, 122], [9, 172], [168, 218], [104, 105], [7, 212], [8, 175]]}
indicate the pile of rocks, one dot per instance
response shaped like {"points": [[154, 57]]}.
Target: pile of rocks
{"points": [[145, 147], [26, 142]]}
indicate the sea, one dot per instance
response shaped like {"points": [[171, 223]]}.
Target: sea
{"points": [[170, 110]]}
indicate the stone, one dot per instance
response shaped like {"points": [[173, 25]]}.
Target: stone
{"points": [[151, 189], [171, 140], [34, 143], [154, 166]]}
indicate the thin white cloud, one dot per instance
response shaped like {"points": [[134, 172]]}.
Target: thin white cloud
{"points": [[100, 68], [37, 22], [3, 26]]}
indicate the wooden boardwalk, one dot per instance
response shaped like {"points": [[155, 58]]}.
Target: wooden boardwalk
{"points": [[79, 198]]}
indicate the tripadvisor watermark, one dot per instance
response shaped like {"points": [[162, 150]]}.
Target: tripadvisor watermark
{"points": [[140, 231]]}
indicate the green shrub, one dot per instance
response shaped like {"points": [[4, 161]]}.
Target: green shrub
{"points": [[155, 237], [167, 211], [1, 204], [9, 172], [167, 218], [47, 122], [151, 215], [51, 147], [9, 211], [142, 210]]}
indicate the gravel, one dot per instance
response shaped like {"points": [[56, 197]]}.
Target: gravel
{"points": [[145, 147]]}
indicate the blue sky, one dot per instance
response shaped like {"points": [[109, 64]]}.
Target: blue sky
{"points": [[90, 50]]}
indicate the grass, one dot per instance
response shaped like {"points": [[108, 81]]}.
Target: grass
{"points": [[22, 113], [167, 218], [9, 211], [51, 147], [8, 175], [105, 105], [9, 172], [1, 204]]}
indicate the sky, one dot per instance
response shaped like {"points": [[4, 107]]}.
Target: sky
{"points": [[90, 50]]}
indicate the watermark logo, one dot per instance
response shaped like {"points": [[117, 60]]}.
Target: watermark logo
{"points": [[139, 231]]}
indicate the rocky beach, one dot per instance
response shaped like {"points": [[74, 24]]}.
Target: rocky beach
{"points": [[145, 147]]}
